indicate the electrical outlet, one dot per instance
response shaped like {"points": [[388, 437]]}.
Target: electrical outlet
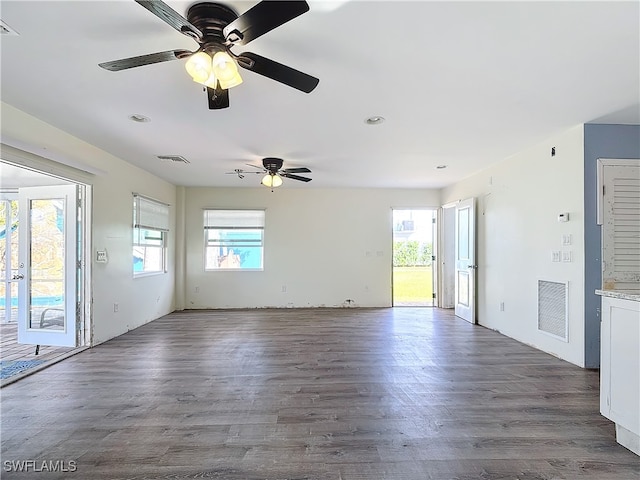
{"points": [[502, 306], [115, 307], [284, 289]]}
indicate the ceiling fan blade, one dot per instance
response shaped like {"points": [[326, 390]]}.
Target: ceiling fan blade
{"points": [[262, 18], [296, 170], [278, 72], [295, 177], [132, 62], [218, 97], [165, 13]]}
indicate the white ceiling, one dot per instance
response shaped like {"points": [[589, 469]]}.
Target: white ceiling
{"points": [[462, 84]]}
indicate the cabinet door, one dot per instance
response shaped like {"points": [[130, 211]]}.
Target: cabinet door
{"points": [[620, 363]]}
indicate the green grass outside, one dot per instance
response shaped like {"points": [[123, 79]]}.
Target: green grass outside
{"points": [[412, 285]]}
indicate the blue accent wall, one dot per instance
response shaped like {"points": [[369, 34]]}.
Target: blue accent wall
{"points": [[600, 141]]}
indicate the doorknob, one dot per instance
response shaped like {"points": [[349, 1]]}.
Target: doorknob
{"points": [[17, 277]]}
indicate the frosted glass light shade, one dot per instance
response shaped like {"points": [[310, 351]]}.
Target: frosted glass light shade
{"points": [[226, 70], [199, 66], [271, 180]]}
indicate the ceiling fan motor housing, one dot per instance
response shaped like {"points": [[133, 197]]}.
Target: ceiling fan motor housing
{"points": [[272, 164], [211, 18]]}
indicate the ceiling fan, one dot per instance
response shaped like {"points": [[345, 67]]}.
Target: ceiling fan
{"points": [[273, 171], [217, 28]]}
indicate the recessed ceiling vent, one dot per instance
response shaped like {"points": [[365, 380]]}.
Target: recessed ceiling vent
{"points": [[6, 29], [173, 158]]}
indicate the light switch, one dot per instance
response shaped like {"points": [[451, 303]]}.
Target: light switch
{"points": [[555, 256], [566, 239], [566, 256]]}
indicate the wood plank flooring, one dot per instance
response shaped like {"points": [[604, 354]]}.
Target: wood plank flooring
{"points": [[322, 394]]}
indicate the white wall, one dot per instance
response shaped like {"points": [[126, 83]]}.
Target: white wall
{"points": [[519, 200], [324, 245], [139, 300]]}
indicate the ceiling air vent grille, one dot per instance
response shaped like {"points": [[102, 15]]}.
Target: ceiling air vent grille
{"points": [[173, 158], [553, 309], [6, 29]]}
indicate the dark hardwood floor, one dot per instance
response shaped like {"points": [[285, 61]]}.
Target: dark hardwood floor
{"points": [[335, 394]]}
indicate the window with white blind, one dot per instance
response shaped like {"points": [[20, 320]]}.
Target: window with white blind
{"points": [[150, 229], [233, 239]]}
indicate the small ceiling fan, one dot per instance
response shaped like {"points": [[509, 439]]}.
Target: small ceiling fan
{"points": [[217, 28], [273, 171]]}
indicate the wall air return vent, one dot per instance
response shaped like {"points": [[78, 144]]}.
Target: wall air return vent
{"points": [[173, 159], [553, 312]]}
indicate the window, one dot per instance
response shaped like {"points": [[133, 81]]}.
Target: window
{"points": [[233, 239], [150, 228]]}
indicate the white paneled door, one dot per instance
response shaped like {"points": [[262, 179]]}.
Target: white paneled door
{"points": [[48, 265], [465, 255]]}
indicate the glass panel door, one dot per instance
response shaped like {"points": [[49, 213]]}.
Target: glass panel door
{"points": [[47, 268], [8, 258], [465, 242]]}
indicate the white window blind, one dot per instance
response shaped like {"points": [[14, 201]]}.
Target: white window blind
{"points": [[233, 239], [230, 219], [621, 228], [150, 214]]}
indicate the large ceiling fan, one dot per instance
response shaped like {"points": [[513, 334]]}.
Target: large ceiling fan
{"points": [[217, 28], [273, 171]]}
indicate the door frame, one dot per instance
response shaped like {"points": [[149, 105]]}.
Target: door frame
{"points": [[84, 180], [8, 196], [434, 226]]}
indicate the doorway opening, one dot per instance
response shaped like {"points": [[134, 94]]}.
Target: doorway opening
{"points": [[44, 281], [413, 273]]}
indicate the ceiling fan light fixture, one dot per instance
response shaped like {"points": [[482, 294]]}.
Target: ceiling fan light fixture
{"points": [[271, 180], [226, 70], [199, 66]]}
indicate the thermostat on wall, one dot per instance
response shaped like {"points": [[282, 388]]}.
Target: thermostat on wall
{"points": [[563, 217]]}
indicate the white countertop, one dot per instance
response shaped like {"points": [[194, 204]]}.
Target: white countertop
{"points": [[634, 297]]}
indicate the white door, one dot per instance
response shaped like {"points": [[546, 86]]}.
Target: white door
{"points": [[48, 265], [465, 260]]}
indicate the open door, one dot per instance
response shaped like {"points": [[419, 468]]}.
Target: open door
{"points": [[48, 265], [465, 260]]}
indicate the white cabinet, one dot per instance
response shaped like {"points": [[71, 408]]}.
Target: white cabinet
{"points": [[620, 365]]}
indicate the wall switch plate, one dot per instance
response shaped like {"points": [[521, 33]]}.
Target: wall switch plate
{"points": [[555, 256], [566, 239], [566, 256]]}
